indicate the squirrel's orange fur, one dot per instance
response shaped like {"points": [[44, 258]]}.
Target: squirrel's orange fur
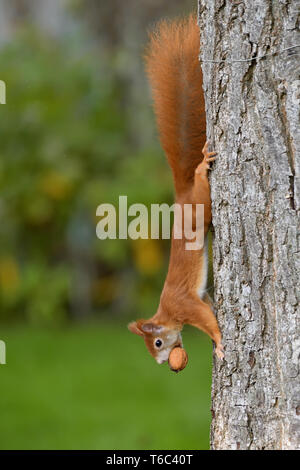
{"points": [[175, 75]]}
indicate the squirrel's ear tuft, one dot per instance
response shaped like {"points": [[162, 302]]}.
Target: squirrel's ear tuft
{"points": [[134, 327], [142, 327], [152, 328]]}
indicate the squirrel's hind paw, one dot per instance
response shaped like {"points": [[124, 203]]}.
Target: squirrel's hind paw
{"points": [[208, 158]]}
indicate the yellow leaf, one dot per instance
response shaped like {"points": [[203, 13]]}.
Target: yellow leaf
{"points": [[55, 185], [9, 274], [148, 255]]}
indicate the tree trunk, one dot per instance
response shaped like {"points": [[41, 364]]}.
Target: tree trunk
{"points": [[253, 122]]}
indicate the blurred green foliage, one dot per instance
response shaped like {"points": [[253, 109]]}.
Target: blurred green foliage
{"points": [[87, 388], [66, 147], [73, 137]]}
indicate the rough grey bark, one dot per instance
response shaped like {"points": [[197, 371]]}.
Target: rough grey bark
{"points": [[253, 122]]}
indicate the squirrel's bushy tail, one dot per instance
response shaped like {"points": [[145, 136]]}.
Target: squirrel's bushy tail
{"points": [[175, 76]]}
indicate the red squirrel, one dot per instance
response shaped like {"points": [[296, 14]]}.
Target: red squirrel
{"points": [[175, 75]]}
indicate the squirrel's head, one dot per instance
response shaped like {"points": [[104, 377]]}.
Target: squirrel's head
{"points": [[159, 339]]}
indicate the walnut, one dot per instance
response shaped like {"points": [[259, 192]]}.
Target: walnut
{"points": [[178, 359]]}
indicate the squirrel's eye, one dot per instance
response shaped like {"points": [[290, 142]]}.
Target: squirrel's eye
{"points": [[158, 343]]}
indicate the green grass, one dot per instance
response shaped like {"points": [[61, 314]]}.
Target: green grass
{"points": [[96, 387]]}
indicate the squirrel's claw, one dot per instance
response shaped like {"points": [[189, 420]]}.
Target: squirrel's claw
{"points": [[204, 150]]}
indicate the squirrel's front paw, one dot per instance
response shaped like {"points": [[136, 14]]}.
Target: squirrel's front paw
{"points": [[220, 351]]}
